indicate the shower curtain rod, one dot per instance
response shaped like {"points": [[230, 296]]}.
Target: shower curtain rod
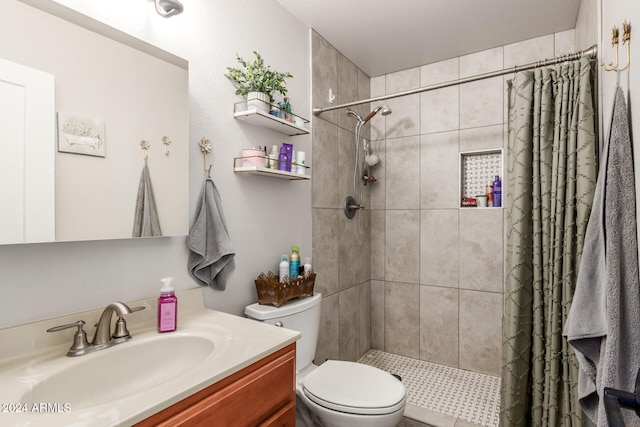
{"points": [[590, 53]]}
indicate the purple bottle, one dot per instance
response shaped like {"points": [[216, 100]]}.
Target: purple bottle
{"points": [[283, 160], [497, 192]]}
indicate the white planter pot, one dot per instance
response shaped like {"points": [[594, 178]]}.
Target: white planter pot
{"points": [[258, 101]]}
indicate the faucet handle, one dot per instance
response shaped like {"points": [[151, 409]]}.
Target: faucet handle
{"points": [[121, 330], [80, 342]]}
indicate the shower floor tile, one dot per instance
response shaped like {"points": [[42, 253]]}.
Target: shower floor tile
{"points": [[466, 395]]}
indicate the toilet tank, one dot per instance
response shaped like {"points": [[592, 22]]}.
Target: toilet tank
{"points": [[300, 314]]}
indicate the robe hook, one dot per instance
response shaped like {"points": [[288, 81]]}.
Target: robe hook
{"points": [[144, 146], [626, 39], [165, 142], [205, 147]]}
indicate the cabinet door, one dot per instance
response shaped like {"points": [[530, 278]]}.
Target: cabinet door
{"points": [[262, 394]]}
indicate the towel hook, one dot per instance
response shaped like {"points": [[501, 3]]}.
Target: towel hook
{"points": [[144, 146], [205, 147], [626, 39], [165, 142]]}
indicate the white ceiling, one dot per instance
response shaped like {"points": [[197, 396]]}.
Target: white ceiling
{"points": [[382, 36]]}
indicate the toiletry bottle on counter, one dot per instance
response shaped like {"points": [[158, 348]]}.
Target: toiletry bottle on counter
{"points": [[167, 307], [294, 263], [284, 268], [307, 266], [497, 192]]}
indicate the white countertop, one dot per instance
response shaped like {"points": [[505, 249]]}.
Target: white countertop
{"points": [[28, 354]]}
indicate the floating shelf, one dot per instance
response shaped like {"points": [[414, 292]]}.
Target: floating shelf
{"points": [[262, 118], [261, 170]]}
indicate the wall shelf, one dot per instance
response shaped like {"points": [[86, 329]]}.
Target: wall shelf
{"points": [[261, 170], [262, 118]]}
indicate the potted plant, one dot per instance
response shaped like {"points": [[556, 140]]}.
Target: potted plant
{"points": [[257, 81]]}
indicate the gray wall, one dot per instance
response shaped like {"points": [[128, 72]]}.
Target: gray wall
{"points": [[47, 280]]}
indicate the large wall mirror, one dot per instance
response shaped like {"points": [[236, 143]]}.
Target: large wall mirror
{"points": [[71, 157]]}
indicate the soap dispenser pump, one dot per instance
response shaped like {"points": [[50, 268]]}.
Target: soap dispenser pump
{"points": [[167, 307]]}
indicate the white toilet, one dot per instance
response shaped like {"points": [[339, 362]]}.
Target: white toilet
{"points": [[336, 393]]}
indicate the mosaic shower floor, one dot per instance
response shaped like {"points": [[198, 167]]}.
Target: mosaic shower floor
{"points": [[465, 395]]}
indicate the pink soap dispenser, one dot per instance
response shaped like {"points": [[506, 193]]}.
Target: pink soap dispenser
{"points": [[167, 307]]}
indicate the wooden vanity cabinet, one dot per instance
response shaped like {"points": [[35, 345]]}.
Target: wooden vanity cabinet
{"points": [[262, 394]]}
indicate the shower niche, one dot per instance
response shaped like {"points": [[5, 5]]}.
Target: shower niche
{"points": [[477, 170]]}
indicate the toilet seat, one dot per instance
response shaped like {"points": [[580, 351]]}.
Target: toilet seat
{"points": [[354, 388]]}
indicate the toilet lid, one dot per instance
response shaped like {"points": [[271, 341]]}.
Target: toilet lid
{"points": [[354, 388]]}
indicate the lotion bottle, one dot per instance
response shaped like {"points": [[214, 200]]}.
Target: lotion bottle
{"points": [[167, 307]]}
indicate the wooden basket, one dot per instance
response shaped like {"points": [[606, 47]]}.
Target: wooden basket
{"points": [[271, 291]]}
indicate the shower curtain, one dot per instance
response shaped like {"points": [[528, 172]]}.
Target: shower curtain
{"points": [[552, 168]]}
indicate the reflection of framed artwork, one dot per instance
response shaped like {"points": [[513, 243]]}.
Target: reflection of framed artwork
{"points": [[81, 135]]}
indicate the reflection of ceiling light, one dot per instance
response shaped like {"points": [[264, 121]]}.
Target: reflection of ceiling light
{"points": [[168, 8]]}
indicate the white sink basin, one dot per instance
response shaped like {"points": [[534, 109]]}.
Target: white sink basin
{"points": [[121, 371]]}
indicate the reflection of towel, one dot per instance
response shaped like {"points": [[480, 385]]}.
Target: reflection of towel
{"points": [[603, 322], [145, 219], [211, 256]]}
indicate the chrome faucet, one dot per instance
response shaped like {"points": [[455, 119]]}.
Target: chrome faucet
{"points": [[103, 338]]}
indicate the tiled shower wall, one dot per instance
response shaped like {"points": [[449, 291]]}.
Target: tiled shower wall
{"points": [[433, 279], [341, 247]]}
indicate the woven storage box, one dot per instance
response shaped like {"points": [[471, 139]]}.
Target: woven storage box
{"points": [[271, 291]]}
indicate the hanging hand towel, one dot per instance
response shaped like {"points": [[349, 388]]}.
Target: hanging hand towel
{"points": [[211, 255], [145, 218], [603, 320]]}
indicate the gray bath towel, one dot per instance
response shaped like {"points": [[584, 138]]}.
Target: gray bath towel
{"points": [[211, 254], [603, 324], [145, 218]]}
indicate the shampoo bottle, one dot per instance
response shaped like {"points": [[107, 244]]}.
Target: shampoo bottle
{"points": [[167, 307], [497, 192], [284, 268], [490, 195], [294, 263]]}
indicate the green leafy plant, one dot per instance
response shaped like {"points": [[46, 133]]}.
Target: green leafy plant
{"points": [[255, 76]]}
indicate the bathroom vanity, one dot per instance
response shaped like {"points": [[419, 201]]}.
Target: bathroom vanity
{"points": [[215, 367], [260, 395]]}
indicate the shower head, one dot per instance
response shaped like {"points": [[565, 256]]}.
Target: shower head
{"points": [[385, 112]]}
